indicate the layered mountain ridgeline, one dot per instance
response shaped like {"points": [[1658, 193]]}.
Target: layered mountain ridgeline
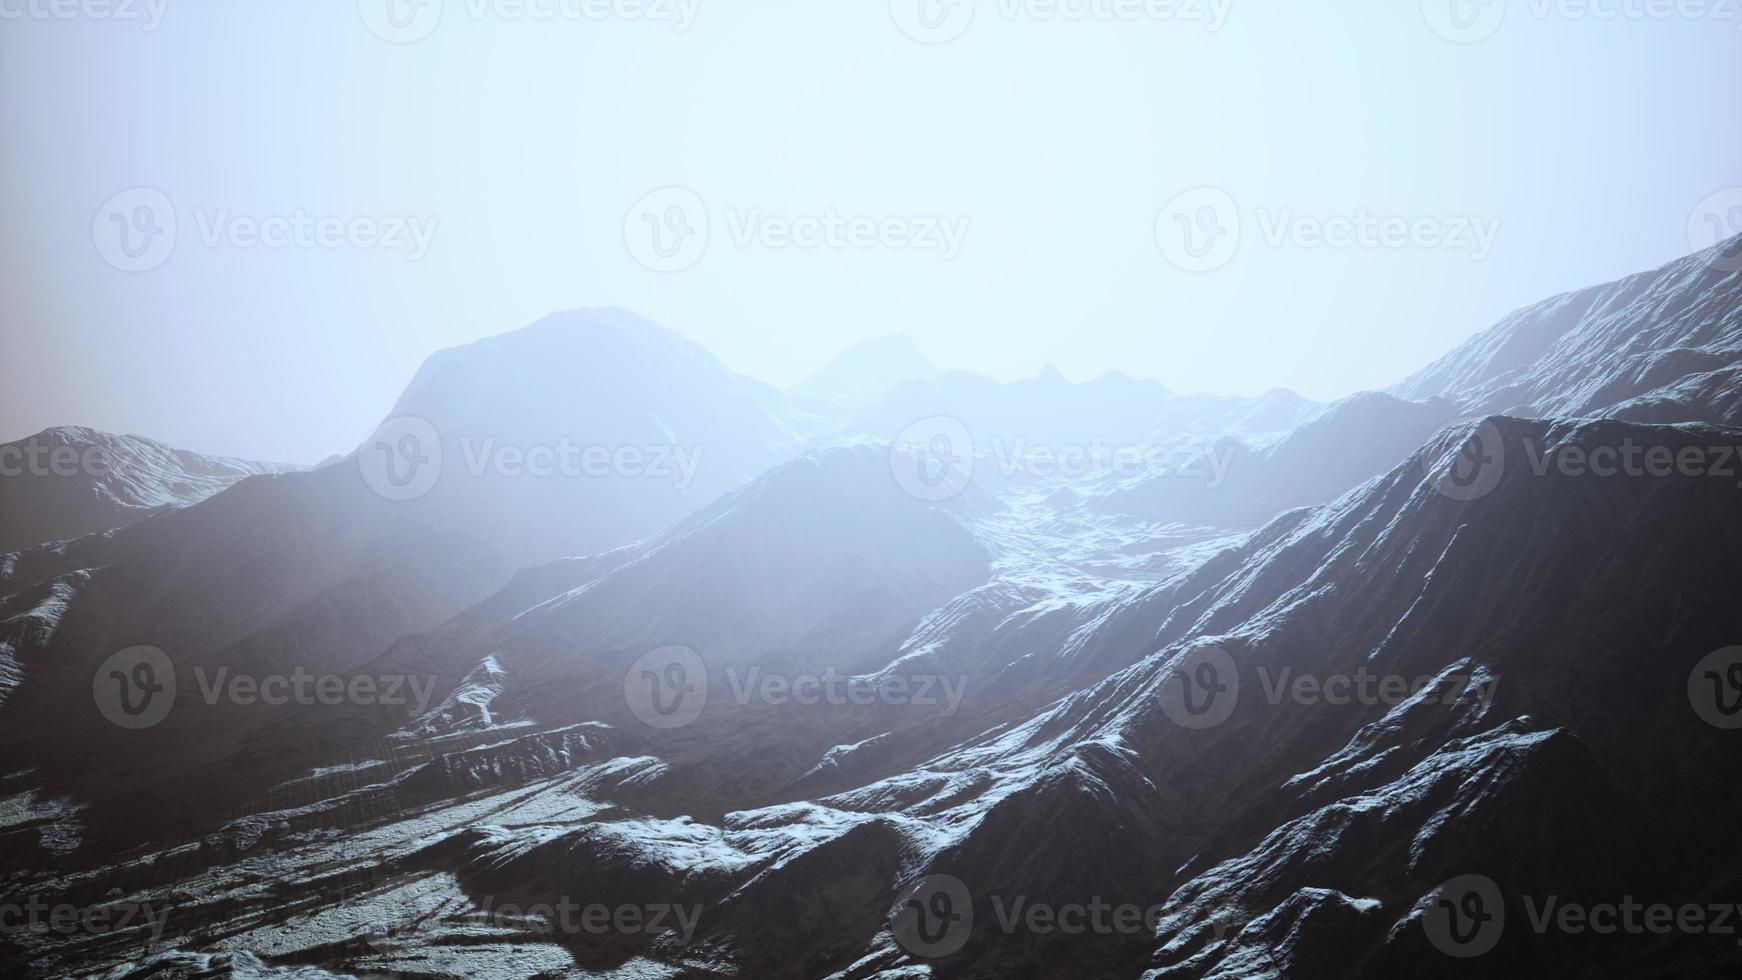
{"points": [[1662, 347], [317, 572], [833, 722], [1111, 412], [1232, 484], [69, 482], [1287, 830]]}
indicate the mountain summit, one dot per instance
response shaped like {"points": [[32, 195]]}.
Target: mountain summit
{"points": [[863, 373]]}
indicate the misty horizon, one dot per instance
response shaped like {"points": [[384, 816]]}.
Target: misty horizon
{"points": [[893, 490], [1220, 196]]}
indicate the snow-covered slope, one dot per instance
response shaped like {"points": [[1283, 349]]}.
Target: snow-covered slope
{"points": [[69, 482], [1582, 353]]}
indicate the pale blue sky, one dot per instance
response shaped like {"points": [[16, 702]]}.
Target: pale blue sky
{"points": [[527, 142]]}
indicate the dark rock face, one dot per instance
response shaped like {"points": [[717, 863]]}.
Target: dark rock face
{"points": [[1463, 694]]}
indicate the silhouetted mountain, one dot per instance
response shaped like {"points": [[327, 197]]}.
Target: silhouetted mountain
{"points": [[865, 372]]}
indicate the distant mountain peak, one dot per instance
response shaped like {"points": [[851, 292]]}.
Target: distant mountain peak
{"points": [[865, 372]]}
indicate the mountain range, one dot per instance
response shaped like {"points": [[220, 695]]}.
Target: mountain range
{"points": [[597, 658]]}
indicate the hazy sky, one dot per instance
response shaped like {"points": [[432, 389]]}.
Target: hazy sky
{"points": [[1006, 187]]}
